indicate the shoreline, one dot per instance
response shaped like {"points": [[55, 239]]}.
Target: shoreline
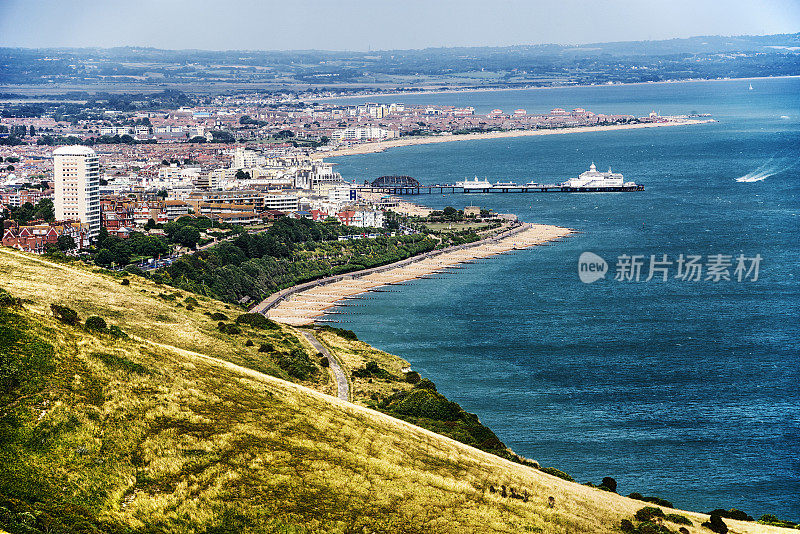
{"points": [[381, 146], [546, 87], [304, 304]]}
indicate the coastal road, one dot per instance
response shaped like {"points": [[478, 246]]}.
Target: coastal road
{"points": [[342, 386]]}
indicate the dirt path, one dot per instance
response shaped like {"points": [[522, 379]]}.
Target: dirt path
{"points": [[342, 385]]}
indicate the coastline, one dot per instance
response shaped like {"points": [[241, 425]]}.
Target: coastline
{"points": [[531, 87], [303, 305], [380, 146]]}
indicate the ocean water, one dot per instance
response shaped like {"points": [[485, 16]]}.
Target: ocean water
{"points": [[685, 390]]}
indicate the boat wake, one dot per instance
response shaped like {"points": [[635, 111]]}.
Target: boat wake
{"points": [[771, 168]]}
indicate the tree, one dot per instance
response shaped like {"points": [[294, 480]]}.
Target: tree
{"points": [[188, 236], [65, 243], [45, 210], [33, 131], [162, 194], [104, 257], [242, 175]]}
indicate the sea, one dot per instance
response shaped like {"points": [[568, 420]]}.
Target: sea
{"points": [[687, 389]]}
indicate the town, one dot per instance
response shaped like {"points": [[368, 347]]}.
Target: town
{"points": [[236, 160]]}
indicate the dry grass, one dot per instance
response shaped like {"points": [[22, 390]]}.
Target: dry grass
{"points": [[168, 434]]}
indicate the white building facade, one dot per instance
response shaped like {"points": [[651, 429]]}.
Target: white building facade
{"points": [[76, 171]]}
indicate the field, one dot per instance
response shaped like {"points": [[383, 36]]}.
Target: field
{"points": [[180, 428]]}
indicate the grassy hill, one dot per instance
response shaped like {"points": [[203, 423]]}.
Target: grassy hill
{"points": [[177, 426]]}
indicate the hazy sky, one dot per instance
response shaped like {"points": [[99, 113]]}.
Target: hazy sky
{"points": [[379, 24]]}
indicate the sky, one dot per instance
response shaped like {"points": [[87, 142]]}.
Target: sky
{"points": [[378, 24]]}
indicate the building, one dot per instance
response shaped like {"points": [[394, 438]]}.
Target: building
{"points": [[76, 170], [35, 237]]}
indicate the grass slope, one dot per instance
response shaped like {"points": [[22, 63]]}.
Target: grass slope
{"points": [[172, 430]]}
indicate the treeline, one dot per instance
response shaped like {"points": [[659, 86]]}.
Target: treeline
{"points": [[292, 251]]}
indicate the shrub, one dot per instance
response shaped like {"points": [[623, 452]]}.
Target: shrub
{"points": [[116, 331], [425, 384], [125, 282], [654, 500], [297, 364], [769, 519], [423, 403], [217, 316], [716, 524], [412, 377], [191, 301], [231, 329], [733, 513], [266, 347], [323, 361], [249, 343], [189, 307], [95, 323], [678, 519], [256, 320], [636, 495], [7, 301], [65, 315], [626, 526], [609, 483], [556, 473], [648, 513], [372, 370]]}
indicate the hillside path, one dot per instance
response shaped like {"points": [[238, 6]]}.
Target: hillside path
{"points": [[343, 387]]}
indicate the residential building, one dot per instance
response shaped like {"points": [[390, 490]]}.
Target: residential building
{"points": [[76, 170]]}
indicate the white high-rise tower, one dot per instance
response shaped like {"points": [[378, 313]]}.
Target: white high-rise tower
{"points": [[77, 176]]}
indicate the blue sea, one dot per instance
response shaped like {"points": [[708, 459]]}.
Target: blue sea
{"points": [[688, 390]]}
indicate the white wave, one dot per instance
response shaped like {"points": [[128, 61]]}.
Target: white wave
{"points": [[763, 172]]}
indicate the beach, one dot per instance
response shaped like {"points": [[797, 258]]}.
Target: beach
{"points": [[380, 146], [306, 306]]}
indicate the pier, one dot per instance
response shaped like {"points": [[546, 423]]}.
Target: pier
{"points": [[454, 189]]}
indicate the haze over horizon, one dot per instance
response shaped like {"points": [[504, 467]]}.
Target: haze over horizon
{"points": [[358, 25]]}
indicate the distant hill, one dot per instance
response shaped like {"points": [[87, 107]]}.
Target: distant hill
{"points": [[203, 71]]}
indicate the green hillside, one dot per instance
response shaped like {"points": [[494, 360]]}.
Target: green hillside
{"points": [[172, 423]]}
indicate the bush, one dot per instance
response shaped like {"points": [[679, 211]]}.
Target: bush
{"points": [[425, 384], [231, 329], [7, 301], [678, 519], [556, 473], [412, 377], [65, 315], [769, 519], [217, 316], [423, 403], [716, 524], [95, 323], [323, 361], [256, 320], [626, 526], [125, 282], [266, 347], [372, 370], [189, 307], [648, 513], [733, 513], [249, 343], [116, 331], [609, 483], [297, 364], [191, 301]]}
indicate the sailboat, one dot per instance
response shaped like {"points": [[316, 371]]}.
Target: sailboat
{"points": [[750, 88]]}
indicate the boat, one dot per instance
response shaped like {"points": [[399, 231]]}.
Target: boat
{"points": [[751, 87], [474, 185], [594, 180]]}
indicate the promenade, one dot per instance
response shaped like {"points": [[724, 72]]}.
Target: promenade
{"points": [[305, 303]]}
